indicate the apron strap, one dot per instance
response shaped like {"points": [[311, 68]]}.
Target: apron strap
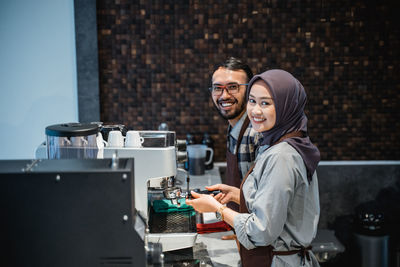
{"points": [[242, 130], [302, 251]]}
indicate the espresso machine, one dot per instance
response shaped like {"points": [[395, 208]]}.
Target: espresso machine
{"points": [[155, 175], [156, 178]]}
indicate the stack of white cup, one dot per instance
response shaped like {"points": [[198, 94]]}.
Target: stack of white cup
{"points": [[132, 139]]}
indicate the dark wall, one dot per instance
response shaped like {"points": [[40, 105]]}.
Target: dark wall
{"points": [[156, 58], [345, 185], [348, 187], [87, 60]]}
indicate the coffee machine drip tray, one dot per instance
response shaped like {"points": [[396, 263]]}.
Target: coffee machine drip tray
{"points": [[173, 229], [172, 222]]}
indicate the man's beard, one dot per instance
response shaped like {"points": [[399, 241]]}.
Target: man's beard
{"points": [[236, 112]]}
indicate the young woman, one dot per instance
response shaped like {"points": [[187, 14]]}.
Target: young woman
{"points": [[279, 203]]}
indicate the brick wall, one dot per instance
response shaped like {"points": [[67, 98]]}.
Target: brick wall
{"points": [[156, 58]]}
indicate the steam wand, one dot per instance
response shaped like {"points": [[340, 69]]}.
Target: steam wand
{"points": [[187, 182]]}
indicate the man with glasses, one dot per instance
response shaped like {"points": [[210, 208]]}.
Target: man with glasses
{"points": [[228, 92]]}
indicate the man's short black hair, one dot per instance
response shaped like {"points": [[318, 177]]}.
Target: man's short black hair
{"points": [[233, 63]]}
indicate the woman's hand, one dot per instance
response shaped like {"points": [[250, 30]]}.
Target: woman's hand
{"points": [[228, 193], [203, 203]]}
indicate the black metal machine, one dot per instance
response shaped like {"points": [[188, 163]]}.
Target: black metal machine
{"points": [[69, 212]]}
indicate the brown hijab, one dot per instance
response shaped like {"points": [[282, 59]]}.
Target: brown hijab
{"points": [[289, 98]]}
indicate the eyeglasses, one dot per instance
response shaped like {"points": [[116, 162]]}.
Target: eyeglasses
{"points": [[231, 88]]}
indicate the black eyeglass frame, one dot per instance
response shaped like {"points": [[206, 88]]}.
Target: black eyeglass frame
{"points": [[224, 87]]}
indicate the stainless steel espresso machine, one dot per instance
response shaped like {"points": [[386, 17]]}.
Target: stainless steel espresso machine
{"points": [[155, 155], [156, 175]]}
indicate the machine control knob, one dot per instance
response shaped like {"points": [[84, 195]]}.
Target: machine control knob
{"points": [[181, 144], [181, 156]]}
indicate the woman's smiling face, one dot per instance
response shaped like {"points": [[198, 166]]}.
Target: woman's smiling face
{"points": [[261, 107]]}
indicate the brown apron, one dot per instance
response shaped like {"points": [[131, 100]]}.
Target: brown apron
{"points": [[233, 175], [262, 256]]}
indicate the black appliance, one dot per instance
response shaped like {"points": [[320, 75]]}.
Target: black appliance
{"points": [[68, 212], [370, 235]]}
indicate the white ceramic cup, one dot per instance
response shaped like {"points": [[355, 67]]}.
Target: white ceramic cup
{"points": [[133, 139], [115, 139]]}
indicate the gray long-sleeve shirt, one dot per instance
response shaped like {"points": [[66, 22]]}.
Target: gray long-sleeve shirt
{"points": [[283, 205]]}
